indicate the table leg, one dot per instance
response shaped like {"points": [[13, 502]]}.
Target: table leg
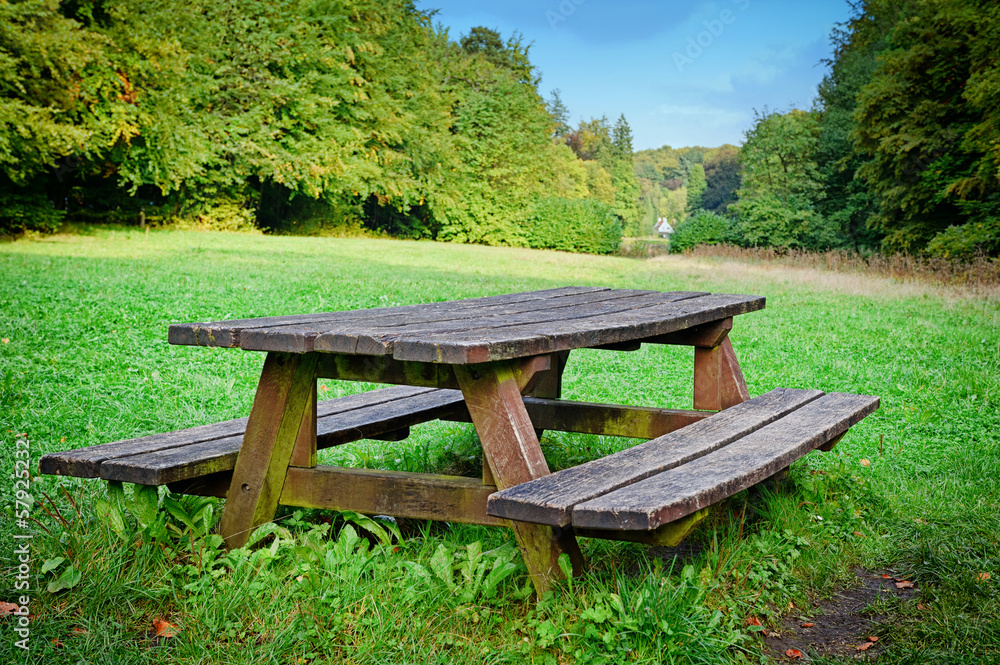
{"points": [[493, 396], [718, 379], [287, 386], [549, 384]]}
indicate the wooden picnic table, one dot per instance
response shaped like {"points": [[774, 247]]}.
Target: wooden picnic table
{"points": [[504, 353]]}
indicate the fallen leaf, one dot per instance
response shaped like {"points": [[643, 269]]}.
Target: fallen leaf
{"points": [[886, 577], [808, 625], [865, 462], [904, 585], [793, 653], [323, 388], [7, 608], [859, 534], [865, 647], [164, 628], [752, 621], [57, 643], [983, 576], [62, 440], [873, 638], [791, 606], [81, 631]]}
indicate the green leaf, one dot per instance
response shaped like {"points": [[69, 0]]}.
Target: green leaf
{"points": [[144, 504], [69, 579], [52, 564]]}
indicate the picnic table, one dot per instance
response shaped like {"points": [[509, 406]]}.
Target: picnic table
{"points": [[498, 363]]}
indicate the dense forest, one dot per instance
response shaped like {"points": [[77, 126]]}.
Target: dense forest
{"points": [[900, 152], [304, 116], [292, 116]]}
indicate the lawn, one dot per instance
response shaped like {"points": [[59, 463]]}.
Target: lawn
{"points": [[912, 490]]}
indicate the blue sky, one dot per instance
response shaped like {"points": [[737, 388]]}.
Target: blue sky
{"points": [[683, 73]]}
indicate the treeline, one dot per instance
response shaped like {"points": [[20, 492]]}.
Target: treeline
{"points": [[900, 152], [293, 116]]}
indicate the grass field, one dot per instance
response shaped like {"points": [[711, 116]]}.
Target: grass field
{"points": [[914, 489]]}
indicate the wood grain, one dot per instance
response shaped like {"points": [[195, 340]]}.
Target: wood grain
{"points": [[680, 491], [286, 385], [400, 494], [550, 500]]}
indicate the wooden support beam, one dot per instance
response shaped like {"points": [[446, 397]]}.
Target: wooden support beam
{"points": [[400, 494], [304, 451], [287, 384], [548, 384], [384, 369], [667, 535], [718, 379], [706, 335], [606, 419], [493, 396]]}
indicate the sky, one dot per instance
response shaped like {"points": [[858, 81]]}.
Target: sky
{"points": [[683, 73]]}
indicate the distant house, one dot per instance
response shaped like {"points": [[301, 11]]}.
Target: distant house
{"points": [[663, 227]]}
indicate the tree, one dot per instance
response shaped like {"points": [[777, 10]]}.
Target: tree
{"points": [[928, 122], [560, 115], [695, 188], [722, 179]]}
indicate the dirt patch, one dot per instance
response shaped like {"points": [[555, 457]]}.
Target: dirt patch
{"points": [[843, 627]]}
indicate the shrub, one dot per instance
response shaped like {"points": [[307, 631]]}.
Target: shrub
{"points": [[27, 211], [701, 228], [573, 225], [769, 220]]}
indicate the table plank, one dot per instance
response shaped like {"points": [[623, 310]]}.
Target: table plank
{"points": [[377, 340], [550, 500], [702, 482], [518, 341], [229, 334]]}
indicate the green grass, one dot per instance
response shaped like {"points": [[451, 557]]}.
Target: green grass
{"points": [[87, 361]]}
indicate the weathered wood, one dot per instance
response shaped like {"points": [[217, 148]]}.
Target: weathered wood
{"points": [[605, 419], [718, 380], [228, 333], [304, 450], [707, 335], [550, 500], [677, 492], [377, 338], [493, 398], [286, 385], [397, 493], [633, 345], [535, 339], [86, 462], [666, 535], [392, 410]]}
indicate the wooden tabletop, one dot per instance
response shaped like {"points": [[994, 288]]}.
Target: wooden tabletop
{"points": [[478, 329]]}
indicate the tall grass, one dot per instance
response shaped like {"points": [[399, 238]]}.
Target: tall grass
{"points": [[914, 487]]}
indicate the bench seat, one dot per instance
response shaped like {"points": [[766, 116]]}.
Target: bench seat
{"points": [[679, 474], [196, 452]]}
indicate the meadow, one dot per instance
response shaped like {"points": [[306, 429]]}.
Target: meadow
{"points": [[913, 490]]}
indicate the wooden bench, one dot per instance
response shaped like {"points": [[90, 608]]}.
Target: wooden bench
{"points": [[662, 483], [191, 460]]}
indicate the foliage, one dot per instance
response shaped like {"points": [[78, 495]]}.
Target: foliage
{"points": [[702, 228], [695, 188], [582, 225], [722, 178]]}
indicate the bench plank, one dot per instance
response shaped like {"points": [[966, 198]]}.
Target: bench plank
{"points": [[678, 492], [86, 462], [549, 500], [190, 461]]}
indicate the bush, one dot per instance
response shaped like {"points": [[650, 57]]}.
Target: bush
{"points": [[573, 225], [701, 228], [772, 221], [27, 211]]}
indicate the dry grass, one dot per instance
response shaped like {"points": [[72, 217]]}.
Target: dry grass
{"points": [[852, 273]]}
